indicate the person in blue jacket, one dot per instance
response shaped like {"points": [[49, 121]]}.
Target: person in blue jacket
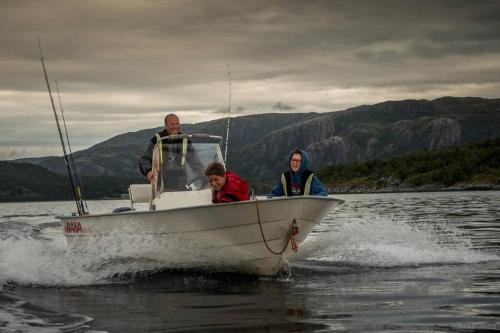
{"points": [[299, 180]]}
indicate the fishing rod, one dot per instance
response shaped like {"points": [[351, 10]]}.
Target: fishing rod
{"points": [[74, 185], [81, 200], [228, 113]]}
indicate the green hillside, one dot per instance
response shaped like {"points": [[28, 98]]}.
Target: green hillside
{"points": [[475, 163], [28, 182]]}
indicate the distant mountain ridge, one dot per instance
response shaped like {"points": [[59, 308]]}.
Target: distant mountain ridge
{"points": [[259, 145], [119, 155]]}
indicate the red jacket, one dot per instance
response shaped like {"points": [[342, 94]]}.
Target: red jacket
{"points": [[235, 189]]}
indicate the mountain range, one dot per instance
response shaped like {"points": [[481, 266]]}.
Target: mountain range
{"points": [[259, 145]]}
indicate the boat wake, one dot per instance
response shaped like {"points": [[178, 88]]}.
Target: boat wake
{"points": [[375, 241], [45, 260], [49, 262]]}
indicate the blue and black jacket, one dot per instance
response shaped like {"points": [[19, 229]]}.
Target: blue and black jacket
{"points": [[304, 178]]}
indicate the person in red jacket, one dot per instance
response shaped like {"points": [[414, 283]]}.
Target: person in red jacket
{"points": [[226, 185]]}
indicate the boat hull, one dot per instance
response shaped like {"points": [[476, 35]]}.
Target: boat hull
{"points": [[225, 237]]}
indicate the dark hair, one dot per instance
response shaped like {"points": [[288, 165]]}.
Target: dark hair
{"points": [[296, 151], [215, 169], [169, 115]]}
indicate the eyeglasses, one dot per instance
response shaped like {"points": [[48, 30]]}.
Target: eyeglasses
{"points": [[294, 160]]}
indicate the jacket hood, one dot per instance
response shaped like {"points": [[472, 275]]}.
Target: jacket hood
{"points": [[303, 165]]}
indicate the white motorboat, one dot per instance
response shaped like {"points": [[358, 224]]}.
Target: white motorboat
{"points": [[183, 229]]}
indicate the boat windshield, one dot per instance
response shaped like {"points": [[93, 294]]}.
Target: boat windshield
{"points": [[180, 162]]}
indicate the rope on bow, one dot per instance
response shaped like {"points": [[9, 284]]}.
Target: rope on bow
{"points": [[294, 230]]}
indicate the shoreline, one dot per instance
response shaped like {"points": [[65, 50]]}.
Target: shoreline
{"points": [[354, 190], [423, 188]]}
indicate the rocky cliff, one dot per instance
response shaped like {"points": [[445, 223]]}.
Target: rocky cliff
{"points": [[379, 131]]}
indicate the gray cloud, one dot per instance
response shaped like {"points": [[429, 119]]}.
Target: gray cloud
{"points": [[123, 65], [235, 111], [11, 153], [282, 107]]}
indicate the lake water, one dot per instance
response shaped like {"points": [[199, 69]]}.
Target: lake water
{"points": [[414, 262]]}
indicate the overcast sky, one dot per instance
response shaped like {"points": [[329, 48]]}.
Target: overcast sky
{"points": [[122, 65]]}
